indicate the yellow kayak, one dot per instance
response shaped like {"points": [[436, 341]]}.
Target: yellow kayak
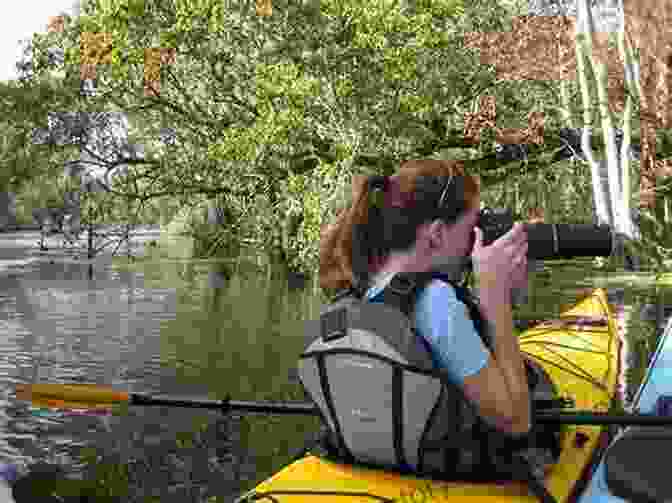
{"points": [[583, 361]]}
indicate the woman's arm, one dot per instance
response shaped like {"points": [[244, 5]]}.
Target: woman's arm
{"points": [[444, 321], [496, 309]]}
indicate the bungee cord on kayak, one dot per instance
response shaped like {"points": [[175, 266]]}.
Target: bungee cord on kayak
{"points": [[270, 495], [581, 374], [577, 333]]}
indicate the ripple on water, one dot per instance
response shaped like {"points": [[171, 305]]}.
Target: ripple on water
{"points": [[56, 327]]}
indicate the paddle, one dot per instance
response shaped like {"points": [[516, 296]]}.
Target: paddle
{"points": [[86, 396]]}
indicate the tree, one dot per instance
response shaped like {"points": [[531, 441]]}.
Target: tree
{"points": [[21, 160], [322, 92]]}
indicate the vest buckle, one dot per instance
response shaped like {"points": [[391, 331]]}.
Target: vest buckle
{"points": [[334, 325], [402, 285]]}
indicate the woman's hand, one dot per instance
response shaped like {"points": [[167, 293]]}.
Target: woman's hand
{"points": [[503, 264], [520, 274]]}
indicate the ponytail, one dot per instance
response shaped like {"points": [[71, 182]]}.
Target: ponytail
{"points": [[336, 241], [368, 233], [380, 219]]}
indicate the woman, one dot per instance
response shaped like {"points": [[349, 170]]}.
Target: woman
{"points": [[496, 382]]}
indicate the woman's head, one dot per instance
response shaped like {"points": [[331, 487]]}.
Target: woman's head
{"points": [[407, 222]]}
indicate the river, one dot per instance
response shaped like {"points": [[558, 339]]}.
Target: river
{"points": [[178, 326]]}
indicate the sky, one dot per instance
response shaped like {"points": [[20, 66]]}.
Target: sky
{"points": [[20, 21]]}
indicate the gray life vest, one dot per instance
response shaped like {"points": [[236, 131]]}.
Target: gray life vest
{"points": [[385, 404]]}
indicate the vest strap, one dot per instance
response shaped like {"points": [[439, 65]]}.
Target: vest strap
{"points": [[452, 452], [402, 293], [326, 390], [397, 417]]}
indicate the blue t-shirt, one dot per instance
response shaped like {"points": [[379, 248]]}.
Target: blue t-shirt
{"points": [[443, 321]]}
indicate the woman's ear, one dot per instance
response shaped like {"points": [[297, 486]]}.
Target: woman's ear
{"points": [[423, 238], [436, 234]]}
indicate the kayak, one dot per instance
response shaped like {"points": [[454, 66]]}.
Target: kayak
{"points": [[629, 471], [581, 353]]}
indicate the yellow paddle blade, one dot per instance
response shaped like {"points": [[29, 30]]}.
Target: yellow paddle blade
{"points": [[70, 396]]}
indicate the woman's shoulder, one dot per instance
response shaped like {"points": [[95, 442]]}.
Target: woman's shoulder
{"points": [[437, 293], [440, 288], [443, 320]]}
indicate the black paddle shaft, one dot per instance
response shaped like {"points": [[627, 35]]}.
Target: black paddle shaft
{"points": [[293, 408], [602, 418], [227, 405]]}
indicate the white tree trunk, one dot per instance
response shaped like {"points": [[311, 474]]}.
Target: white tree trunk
{"points": [[612, 199]]}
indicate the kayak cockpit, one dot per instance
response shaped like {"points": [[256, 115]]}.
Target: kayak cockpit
{"points": [[635, 470]]}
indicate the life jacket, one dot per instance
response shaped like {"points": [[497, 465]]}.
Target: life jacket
{"points": [[384, 402]]}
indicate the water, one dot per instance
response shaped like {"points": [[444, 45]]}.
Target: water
{"points": [[188, 328]]}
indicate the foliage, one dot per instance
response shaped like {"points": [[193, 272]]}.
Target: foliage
{"points": [[213, 240], [323, 92], [655, 247], [308, 201], [21, 161], [562, 191]]}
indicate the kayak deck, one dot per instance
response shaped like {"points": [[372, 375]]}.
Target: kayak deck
{"points": [[582, 358]]}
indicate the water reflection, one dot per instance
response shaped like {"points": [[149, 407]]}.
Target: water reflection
{"points": [[121, 328], [61, 328]]}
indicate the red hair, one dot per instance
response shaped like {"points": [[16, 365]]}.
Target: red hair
{"points": [[336, 238]]}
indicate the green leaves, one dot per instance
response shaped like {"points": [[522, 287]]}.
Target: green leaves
{"points": [[236, 145], [242, 93], [136, 8], [655, 246]]}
